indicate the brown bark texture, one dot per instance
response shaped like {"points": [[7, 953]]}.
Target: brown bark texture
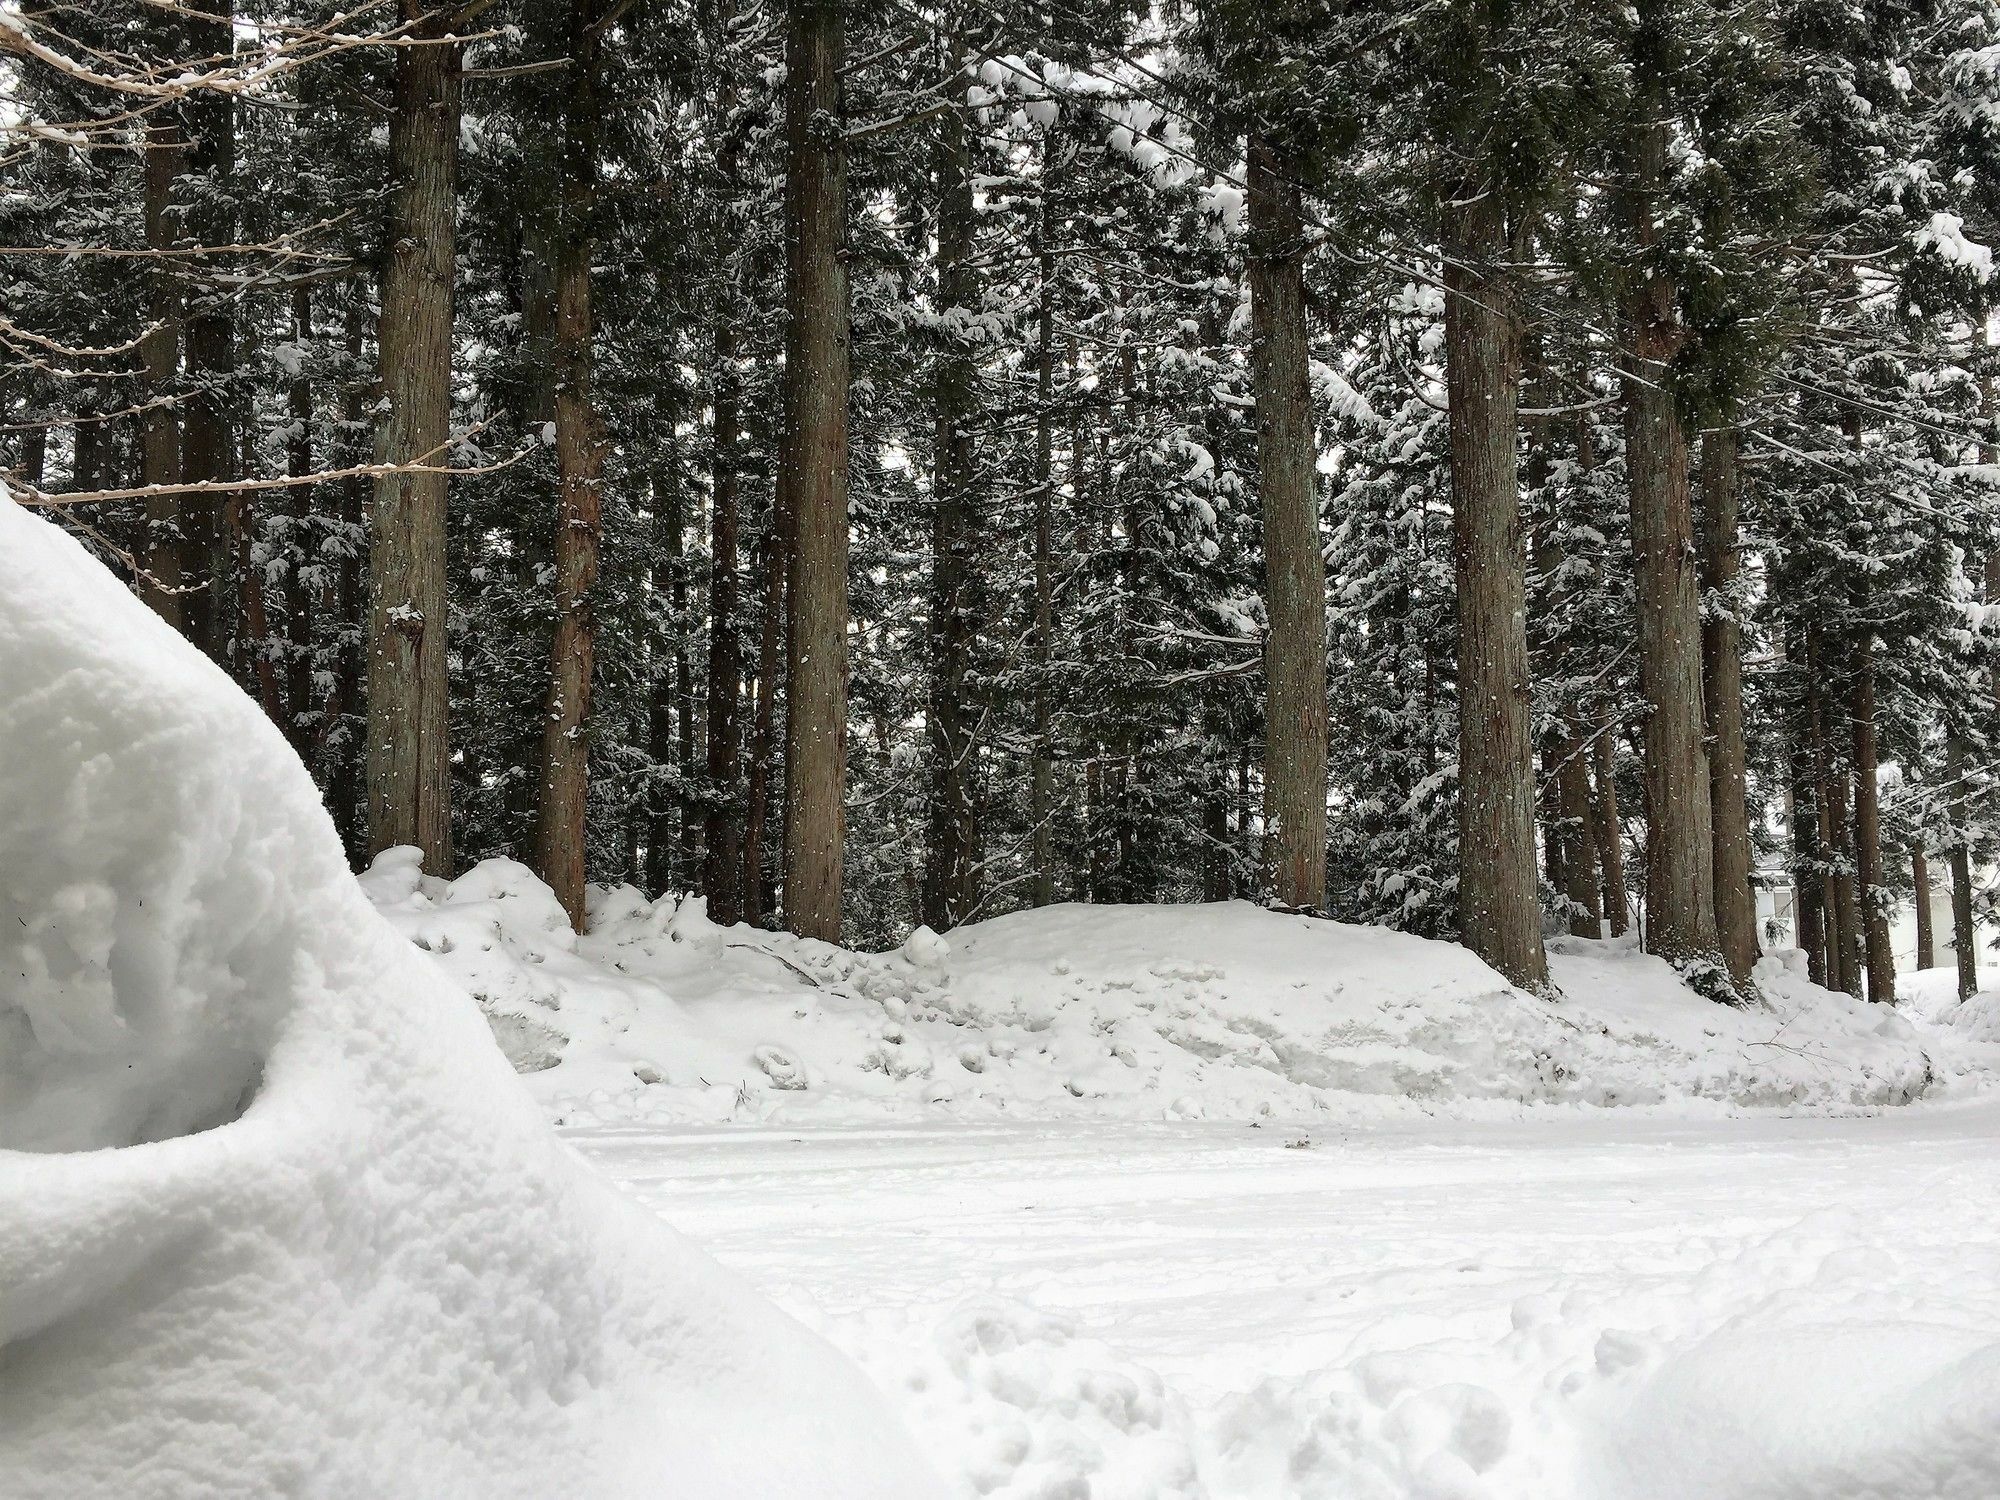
{"points": [[1920, 884], [164, 555], [1042, 782], [562, 817], [1295, 697], [1722, 698], [1872, 892], [1609, 830], [1499, 910], [950, 870], [1680, 852], [208, 422], [408, 773], [816, 387]]}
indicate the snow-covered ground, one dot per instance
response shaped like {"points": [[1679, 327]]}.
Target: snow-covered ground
{"points": [[1136, 1203], [1575, 1306], [1131, 1013]]}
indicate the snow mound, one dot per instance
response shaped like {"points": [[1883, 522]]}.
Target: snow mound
{"points": [[1931, 995], [1136, 1012], [275, 1216], [1785, 1418]]}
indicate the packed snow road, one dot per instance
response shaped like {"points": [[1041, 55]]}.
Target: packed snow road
{"points": [[1578, 1304]]}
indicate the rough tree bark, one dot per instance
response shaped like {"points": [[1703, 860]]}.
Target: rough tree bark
{"points": [[1499, 913], [164, 555], [1042, 776], [1579, 848], [816, 381], [1609, 829], [208, 440], [562, 817], [686, 742], [1872, 893], [1844, 957], [1803, 810], [408, 771], [664, 872], [256, 640], [775, 555], [302, 604], [722, 833], [1964, 935], [1680, 850], [1295, 696], [346, 793], [1722, 697], [950, 870], [723, 836], [1920, 884]]}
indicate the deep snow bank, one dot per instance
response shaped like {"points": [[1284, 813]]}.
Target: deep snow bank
{"points": [[1139, 1012], [275, 1216]]}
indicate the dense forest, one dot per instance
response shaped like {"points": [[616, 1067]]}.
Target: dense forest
{"points": [[1478, 467]]}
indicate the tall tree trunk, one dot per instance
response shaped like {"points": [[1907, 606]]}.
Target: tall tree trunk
{"points": [[34, 455], [345, 791], [208, 432], [88, 462], [1548, 808], [686, 748], [1873, 893], [763, 739], [302, 604], [723, 836], [1680, 850], [408, 772], [1846, 944], [1096, 871], [950, 871], [663, 870], [1827, 836], [1499, 913], [1041, 798], [165, 552], [1580, 850], [816, 379], [1295, 697], [258, 641], [1964, 934], [1808, 873], [562, 819], [1920, 882], [1609, 830], [1722, 696]]}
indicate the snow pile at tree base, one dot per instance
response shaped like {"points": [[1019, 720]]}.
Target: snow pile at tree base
{"points": [[1931, 995], [276, 1218], [1132, 1012]]}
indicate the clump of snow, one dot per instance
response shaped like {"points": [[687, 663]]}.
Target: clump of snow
{"points": [[1945, 234], [926, 950], [1024, 1406], [1223, 1011], [275, 1215]]}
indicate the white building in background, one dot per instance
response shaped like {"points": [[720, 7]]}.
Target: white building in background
{"points": [[1777, 918]]}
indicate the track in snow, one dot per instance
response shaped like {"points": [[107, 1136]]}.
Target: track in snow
{"points": [[1541, 1307]]}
